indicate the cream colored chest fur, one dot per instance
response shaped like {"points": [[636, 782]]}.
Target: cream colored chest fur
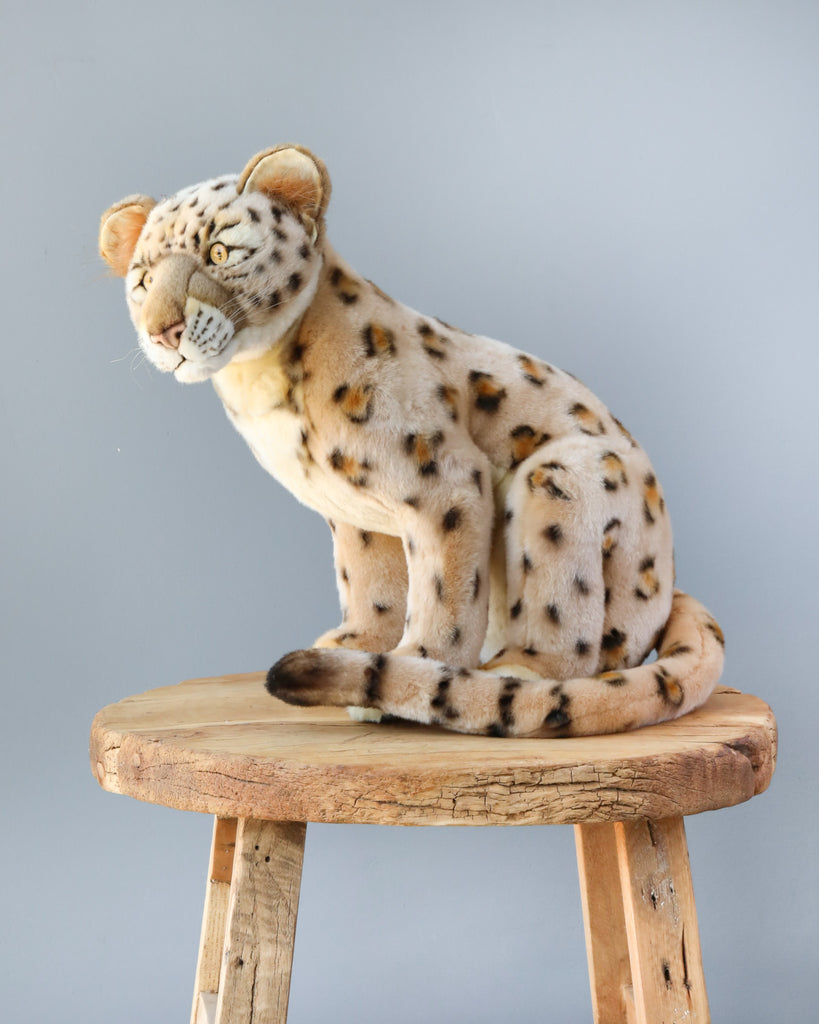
{"points": [[266, 406]]}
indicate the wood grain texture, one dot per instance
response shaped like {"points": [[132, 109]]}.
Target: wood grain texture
{"points": [[214, 917], [254, 984], [661, 923], [604, 923], [225, 747]]}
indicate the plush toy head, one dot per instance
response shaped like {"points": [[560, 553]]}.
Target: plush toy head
{"points": [[220, 269]]}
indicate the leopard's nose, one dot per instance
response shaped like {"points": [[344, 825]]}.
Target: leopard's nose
{"points": [[171, 336]]}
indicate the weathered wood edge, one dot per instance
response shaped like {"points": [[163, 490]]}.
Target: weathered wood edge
{"points": [[684, 782]]}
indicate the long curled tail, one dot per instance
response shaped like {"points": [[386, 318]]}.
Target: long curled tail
{"points": [[689, 663]]}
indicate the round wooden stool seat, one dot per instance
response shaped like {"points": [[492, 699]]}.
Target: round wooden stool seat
{"points": [[264, 769], [225, 747]]}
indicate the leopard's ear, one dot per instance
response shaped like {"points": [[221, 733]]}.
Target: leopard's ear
{"points": [[120, 227], [293, 174]]}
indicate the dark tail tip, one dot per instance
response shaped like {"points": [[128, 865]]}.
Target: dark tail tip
{"points": [[293, 679]]}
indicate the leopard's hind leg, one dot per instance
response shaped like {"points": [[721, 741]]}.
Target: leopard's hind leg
{"points": [[577, 553]]}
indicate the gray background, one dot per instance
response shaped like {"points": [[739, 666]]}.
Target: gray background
{"points": [[628, 190]]}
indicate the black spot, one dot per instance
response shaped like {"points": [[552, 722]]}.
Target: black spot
{"points": [[559, 717], [455, 635], [476, 585], [275, 299], [422, 651], [714, 629], [496, 729], [366, 537], [531, 651], [508, 514], [345, 575], [425, 330], [294, 281], [372, 677], [452, 520], [505, 702], [677, 650], [554, 533], [304, 251], [526, 563], [582, 647], [413, 501], [612, 640], [438, 580], [554, 613], [439, 701], [253, 215], [477, 480], [556, 492], [613, 679], [582, 586], [516, 608], [340, 392], [646, 564]]}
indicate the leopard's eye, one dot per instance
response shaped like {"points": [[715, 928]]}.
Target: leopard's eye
{"points": [[147, 280], [218, 253]]}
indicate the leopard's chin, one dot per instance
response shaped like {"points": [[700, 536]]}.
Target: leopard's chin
{"points": [[193, 371], [190, 372]]}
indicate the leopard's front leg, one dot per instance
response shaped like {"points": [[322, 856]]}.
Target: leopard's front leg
{"points": [[447, 539], [371, 572]]}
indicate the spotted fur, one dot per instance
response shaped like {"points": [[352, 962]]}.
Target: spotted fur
{"points": [[502, 544]]}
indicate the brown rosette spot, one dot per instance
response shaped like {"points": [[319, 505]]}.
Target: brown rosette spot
{"points": [[653, 501], [587, 421], [614, 472], [610, 536], [533, 370], [648, 585], [422, 448], [355, 401], [378, 340], [449, 396], [486, 392], [346, 288], [525, 442], [355, 472]]}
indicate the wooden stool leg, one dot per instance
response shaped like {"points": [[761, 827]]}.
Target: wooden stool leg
{"points": [[661, 923], [212, 939], [254, 983], [605, 923]]}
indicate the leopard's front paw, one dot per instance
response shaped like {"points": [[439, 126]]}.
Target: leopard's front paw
{"points": [[351, 639]]}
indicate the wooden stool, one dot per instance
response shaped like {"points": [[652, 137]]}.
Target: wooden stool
{"points": [[225, 747]]}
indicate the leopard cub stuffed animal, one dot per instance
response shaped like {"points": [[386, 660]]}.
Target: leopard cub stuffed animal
{"points": [[502, 545]]}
